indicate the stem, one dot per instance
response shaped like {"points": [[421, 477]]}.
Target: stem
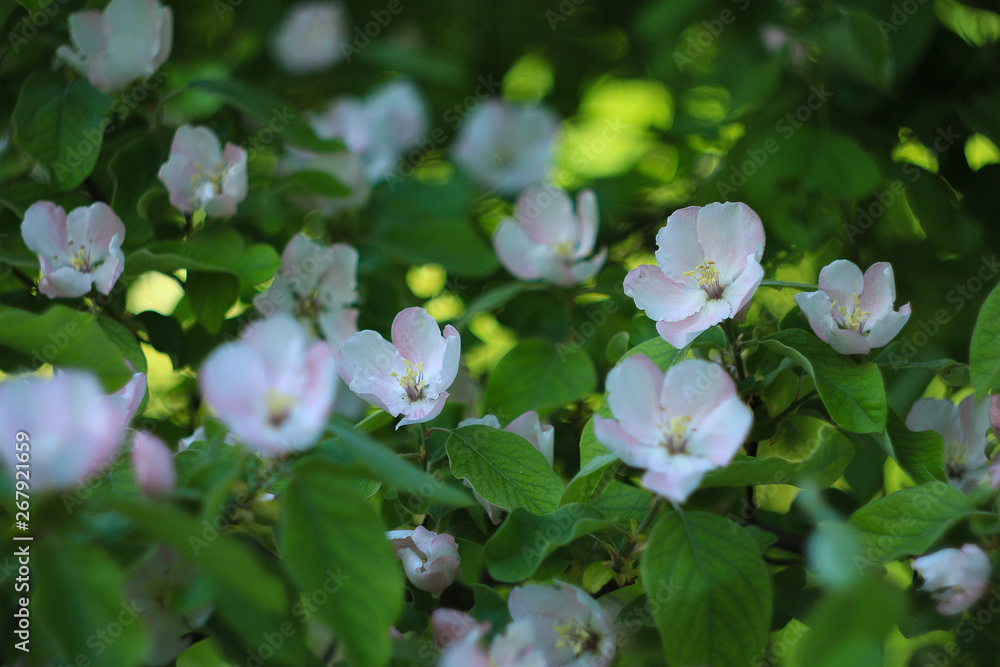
{"points": [[780, 284], [733, 336], [653, 510]]}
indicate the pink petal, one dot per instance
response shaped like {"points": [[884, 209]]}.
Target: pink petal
{"points": [[841, 280], [677, 247], [879, 291], [542, 437], [633, 393], [693, 388], [728, 234], [618, 441], [679, 479], [417, 336], [154, 465], [662, 298], [423, 411], [366, 363], [681, 333], [44, 231], [886, 328], [848, 341], [936, 414], [545, 214], [817, 308], [720, 434], [589, 219], [518, 253], [739, 293]]}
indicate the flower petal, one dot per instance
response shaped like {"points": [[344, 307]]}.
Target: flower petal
{"points": [[662, 298], [418, 338], [879, 291], [44, 231], [739, 292], [728, 234], [721, 433], [521, 256], [677, 247], [679, 479], [886, 328], [366, 363], [633, 394], [841, 280], [681, 333]]}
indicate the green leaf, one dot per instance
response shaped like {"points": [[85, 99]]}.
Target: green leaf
{"points": [[712, 590], [211, 295], [587, 482], [490, 607], [869, 47], [908, 522], [504, 469], [850, 627], [450, 242], [223, 557], [920, 455], [537, 375], [217, 250], [853, 393], [356, 451], [984, 357], [813, 450], [65, 338], [258, 264], [330, 536], [125, 340], [312, 182], [273, 113], [524, 540], [61, 125], [77, 590], [134, 173], [663, 355]]}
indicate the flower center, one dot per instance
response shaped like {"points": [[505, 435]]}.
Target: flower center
{"points": [[564, 249], [675, 434], [207, 183], [279, 407], [81, 260], [575, 635], [413, 381], [956, 461], [855, 320], [310, 305], [708, 278]]}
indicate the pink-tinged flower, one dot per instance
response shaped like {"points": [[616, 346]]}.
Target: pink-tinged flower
{"points": [[344, 166], [505, 147], [548, 241], [430, 561], [274, 388], [128, 40], [851, 312], [201, 175], [707, 270], [963, 430], [71, 427], [408, 376], [514, 648], [316, 284], [154, 465], [78, 251], [451, 625], [570, 627], [310, 37], [677, 425], [378, 129], [130, 396], [956, 578], [529, 426]]}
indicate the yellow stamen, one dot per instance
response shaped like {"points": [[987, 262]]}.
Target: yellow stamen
{"points": [[279, 406], [413, 382], [675, 434], [708, 278], [81, 260], [576, 636], [856, 319]]}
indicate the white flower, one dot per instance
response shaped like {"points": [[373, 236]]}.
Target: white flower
{"points": [[310, 36], [507, 148], [78, 251], [957, 578], [963, 430], [128, 40], [430, 560], [200, 175], [548, 241]]}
